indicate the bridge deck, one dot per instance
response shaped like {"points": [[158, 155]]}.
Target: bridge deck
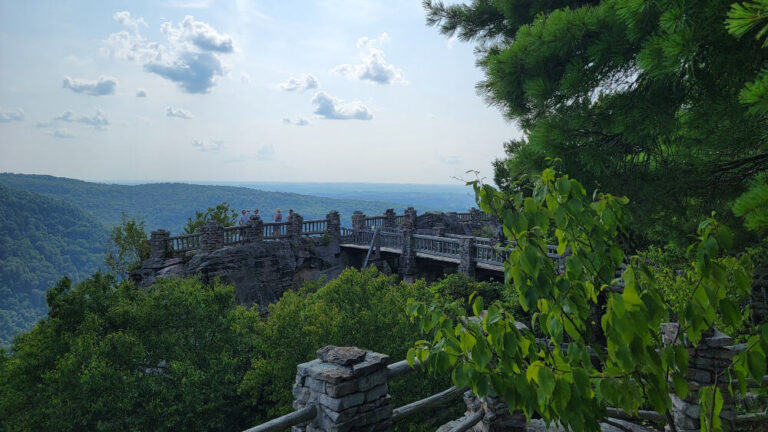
{"points": [[425, 255]]}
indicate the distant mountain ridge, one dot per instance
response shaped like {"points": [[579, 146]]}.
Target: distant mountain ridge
{"points": [[168, 205]]}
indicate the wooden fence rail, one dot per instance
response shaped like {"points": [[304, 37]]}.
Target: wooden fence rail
{"points": [[286, 421]]}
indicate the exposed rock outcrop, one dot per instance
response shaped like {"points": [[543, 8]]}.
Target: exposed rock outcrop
{"points": [[261, 272]]}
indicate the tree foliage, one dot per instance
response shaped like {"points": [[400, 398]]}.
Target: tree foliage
{"points": [[127, 247], [358, 308], [41, 240], [181, 355], [573, 383], [112, 357], [634, 97], [223, 214]]}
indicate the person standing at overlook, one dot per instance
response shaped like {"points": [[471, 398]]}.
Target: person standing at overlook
{"points": [[243, 219], [256, 212], [278, 216]]}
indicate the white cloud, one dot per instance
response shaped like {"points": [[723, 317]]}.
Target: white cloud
{"points": [[199, 34], [98, 121], [373, 66], [193, 72], [306, 82], [206, 147], [178, 112], [245, 78], [298, 121], [190, 59], [105, 85], [125, 19], [16, 114], [329, 107], [62, 133], [141, 93]]}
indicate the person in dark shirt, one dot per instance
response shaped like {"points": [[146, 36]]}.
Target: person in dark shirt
{"points": [[278, 216]]}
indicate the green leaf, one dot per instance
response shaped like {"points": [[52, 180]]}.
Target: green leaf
{"points": [[481, 355], [756, 362], [546, 380], [478, 306], [461, 374], [680, 385], [731, 315]]}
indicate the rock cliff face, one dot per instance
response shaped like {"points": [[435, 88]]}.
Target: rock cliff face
{"points": [[261, 272]]}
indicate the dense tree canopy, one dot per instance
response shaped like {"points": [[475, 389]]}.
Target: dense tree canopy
{"points": [[111, 357], [636, 98], [41, 240], [182, 355]]}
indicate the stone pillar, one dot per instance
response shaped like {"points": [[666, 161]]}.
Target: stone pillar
{"points": [[407, 267], [410, 215], [497, 417], [439, 230], [389, 219], [707, 364], [475, 215], [211, 236], [349, 388], [467, 256], [158, 244], [333, 226], [760, 293], [358, 221], [254, 230], [295, 223]]}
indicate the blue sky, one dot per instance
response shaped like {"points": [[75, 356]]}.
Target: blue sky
{"points": [[329, 90]]}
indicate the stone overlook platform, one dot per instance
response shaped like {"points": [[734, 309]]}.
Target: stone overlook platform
{"points": [[443, 237]]}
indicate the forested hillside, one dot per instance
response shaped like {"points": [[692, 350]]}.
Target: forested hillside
{"points": [[41, 240], [168, 205]]}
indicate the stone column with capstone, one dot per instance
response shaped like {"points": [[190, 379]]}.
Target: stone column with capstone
{"points": [[467, 256], [211, 236], [358, 221], [158, 244], [254, 230], [707, 364], [348, 387], [407, 266], [410, 215], [333, 226], [295, 223], [389, 219]]}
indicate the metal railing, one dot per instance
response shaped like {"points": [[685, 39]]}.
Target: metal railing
{"points": [[488, 254], [347, 235], [183, 243], [275, 230], [391, 239], [234, 235], [434, 245], [314, 227], [399, 219], [374, 221]]}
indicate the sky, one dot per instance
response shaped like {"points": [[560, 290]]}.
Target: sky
{"points": [[202, 90]]}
